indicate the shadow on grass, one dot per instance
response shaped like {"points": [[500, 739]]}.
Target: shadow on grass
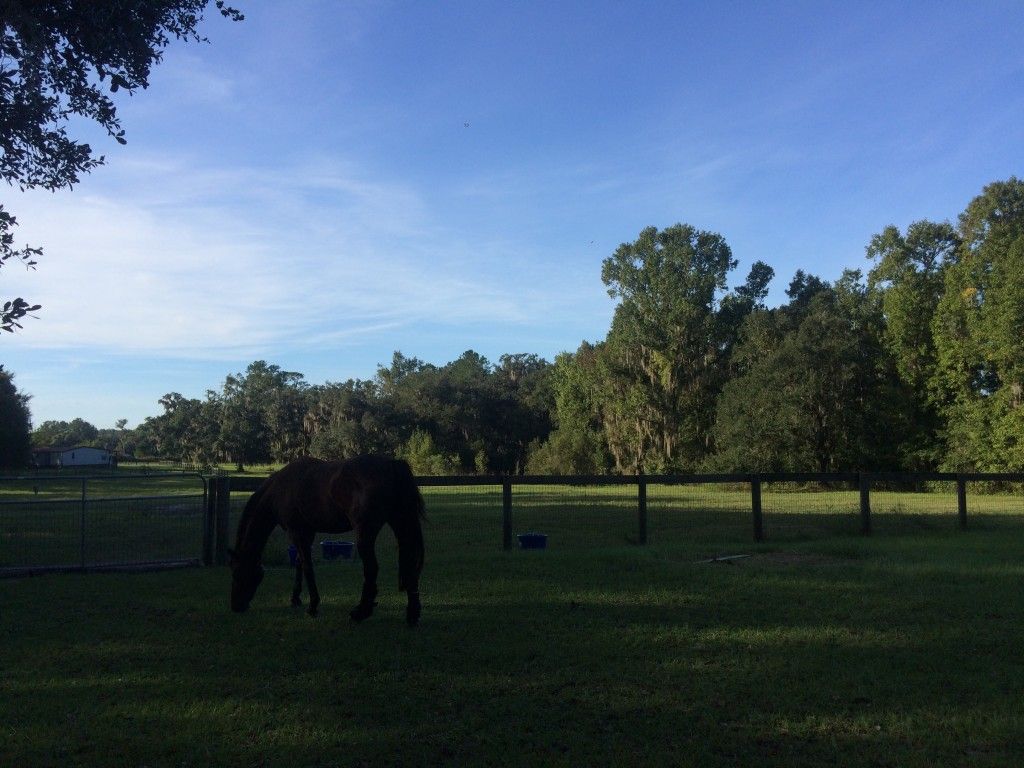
{"points": [[902, 652]]}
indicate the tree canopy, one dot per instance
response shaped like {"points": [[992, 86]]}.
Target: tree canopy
{"points": [[63, 59], [917, 365], [15, 424]]}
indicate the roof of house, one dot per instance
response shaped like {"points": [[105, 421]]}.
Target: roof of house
{"points": [[64, 449]]}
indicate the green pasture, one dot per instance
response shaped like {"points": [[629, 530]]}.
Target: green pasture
{"points": [[469, 518], [895, 650], [160, 517]]}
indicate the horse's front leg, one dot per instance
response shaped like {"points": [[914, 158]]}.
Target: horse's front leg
{"points": [[413, 608], [304, 567], [314, 593], [297, 589], [367, 601], [296, 540]]}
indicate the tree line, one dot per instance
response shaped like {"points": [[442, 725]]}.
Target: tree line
{"points": [[916, 363]]}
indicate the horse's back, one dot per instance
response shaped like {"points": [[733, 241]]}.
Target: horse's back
{"points": [[335, 496]]}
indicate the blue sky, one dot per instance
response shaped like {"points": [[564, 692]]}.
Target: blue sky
{"points": [[326, 182]]}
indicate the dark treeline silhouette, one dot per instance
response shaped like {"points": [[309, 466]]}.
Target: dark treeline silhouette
{"points": [[916, 363]]}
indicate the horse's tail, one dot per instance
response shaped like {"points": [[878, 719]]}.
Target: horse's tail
{"points": [[409, 511]]}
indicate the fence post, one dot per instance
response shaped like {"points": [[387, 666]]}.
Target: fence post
{"points": [[506, 513], [961, 501], [209, 521], [755, 507], [222, 512], [641, 504], [81, 528], [865, 503]]}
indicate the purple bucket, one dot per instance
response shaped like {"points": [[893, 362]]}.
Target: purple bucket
{"points": [[533, 540], [332, 550]]}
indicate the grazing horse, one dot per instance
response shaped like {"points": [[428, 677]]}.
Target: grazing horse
{"points": [[310, 495]]}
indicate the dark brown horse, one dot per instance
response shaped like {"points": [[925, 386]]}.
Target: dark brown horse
{"points": [[309, 495]]}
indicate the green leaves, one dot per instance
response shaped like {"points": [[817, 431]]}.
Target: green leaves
{"points": [[57, 60], [977, 330], [15, 424], [812, 391], [665, 358]]}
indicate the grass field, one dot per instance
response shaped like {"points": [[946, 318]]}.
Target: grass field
{"points": [[896, 650]]}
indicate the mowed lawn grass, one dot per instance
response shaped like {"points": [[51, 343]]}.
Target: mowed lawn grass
{"points": [[895, 650]]}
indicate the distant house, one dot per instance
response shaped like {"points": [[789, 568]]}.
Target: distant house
{"points": [[77, 456]]}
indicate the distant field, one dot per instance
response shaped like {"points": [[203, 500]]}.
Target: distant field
{"points": [[896, 650]]}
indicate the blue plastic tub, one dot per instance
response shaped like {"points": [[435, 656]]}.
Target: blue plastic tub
{"points": [[293, 554], [533, 540], [332, 550]]}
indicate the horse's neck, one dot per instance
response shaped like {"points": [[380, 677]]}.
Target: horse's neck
{"points": [[254, 530]]}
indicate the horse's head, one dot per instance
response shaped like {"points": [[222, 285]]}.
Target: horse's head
{"points": [[246, 575]]}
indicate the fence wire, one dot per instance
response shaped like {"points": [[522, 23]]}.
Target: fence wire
{"points": [[575, 516], [71, 521], [698, 512], [910, 506], [796, 511], [93, 522], [994, 504]]}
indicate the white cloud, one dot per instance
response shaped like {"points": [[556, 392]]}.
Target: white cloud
{"points": [[185, 79], [171, 259]]}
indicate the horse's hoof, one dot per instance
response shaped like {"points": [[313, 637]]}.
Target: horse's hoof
{"points": [[296, 602], [312, 612], [412, 617]]}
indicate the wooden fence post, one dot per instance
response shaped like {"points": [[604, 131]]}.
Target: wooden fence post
{"points": [[755, 507], [506, 513], [641, 504], [961, 501], [222, 512], [81, 527], [865, 503], [209, 521]]}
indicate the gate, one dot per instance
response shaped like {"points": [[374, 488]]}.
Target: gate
{"points": [[68, 522]]}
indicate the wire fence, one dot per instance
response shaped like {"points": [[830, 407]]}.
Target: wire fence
{"points": [[483, 514], [73, 522], [70, 522]]}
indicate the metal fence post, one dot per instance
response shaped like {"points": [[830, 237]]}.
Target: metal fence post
{"points": [[865, 503], [755, 507], [506, 513], [961, 501], [641, 504]]}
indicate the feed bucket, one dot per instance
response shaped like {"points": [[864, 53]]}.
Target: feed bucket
{"points": [[332, 550], [533, 540]]}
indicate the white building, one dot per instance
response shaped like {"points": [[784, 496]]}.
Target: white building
{"points": [[77, 456]]}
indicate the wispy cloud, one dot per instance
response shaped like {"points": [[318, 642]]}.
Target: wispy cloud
{"points": [[169, 258]]}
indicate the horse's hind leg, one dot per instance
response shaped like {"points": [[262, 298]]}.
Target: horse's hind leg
{"points": [[297, 588], [368, 554]]}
